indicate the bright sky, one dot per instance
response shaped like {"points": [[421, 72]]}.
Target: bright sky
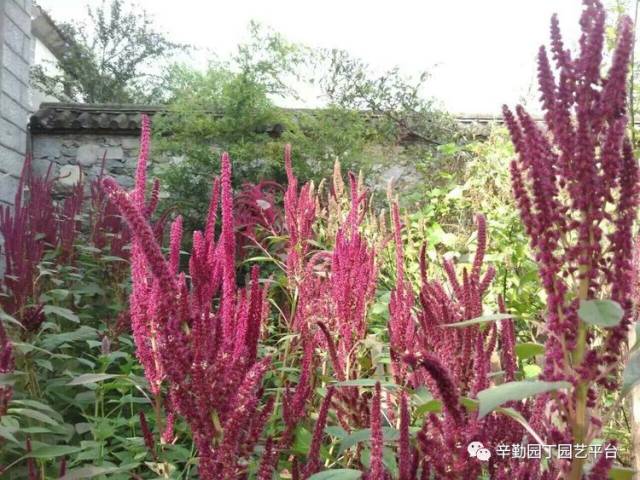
{"points": [[481, 53]]}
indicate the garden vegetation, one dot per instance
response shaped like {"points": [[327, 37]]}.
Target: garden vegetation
{"points": [[301, 331]]}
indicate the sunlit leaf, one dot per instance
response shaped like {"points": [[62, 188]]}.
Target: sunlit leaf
{"points": [[52, 451], [621, 473], [603, 313], [7, 434], [5, 317], [34, 414], [61, 312], [82, 473], [480, 320], [528, 350], [389, 434], [493, 397], [631, 374], [337, 474], [89, 378], [364, 382]]}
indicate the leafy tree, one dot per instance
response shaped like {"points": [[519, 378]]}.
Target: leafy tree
{"points": [[396, 102], [233, 107], [113, 59]]}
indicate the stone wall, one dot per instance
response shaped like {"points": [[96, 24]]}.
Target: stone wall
{"points": [[73, 138], [81, 155], [16, 56]]}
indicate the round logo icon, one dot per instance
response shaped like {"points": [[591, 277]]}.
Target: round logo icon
{"points": [[483, 454], [473, 448], [477, 450]]}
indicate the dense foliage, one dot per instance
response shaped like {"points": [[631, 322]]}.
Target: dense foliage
{"points": [[116, 58], [366, 120], [307, 334]]}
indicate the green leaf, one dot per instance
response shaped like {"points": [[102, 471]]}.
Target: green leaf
{"points": [[58, 293], [528, 350], [455, 193], [10, 422], [428, 407], [44, 363], [364, 382], [112, 258], [10, 378], [50, 342], [480, 320], [448, 148], [470, 404], [621, 473], [532, 371], [88, 248], [89, 378], [61, 312], [388, 433], [91, 471], [36, 430], [636, 345], [52, 451], [336, 431], [631, 374], [493, 397], [7, 434], [302, 440], [338, 474], [514, 414], [38, 406], [5, 317], [603, 313], [34, 414]]}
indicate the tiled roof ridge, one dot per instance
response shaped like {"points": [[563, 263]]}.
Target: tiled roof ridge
{"points": [[57, 117]]}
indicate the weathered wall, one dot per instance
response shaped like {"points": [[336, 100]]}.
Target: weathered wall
{"points": [[85, 152], [78, 156], [72, 155], [73, 138], [16, 56]]}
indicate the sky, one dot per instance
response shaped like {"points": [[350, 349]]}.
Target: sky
{"points": [[480, 53]]}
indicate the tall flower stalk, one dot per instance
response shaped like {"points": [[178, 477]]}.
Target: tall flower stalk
{"points": [[452, 361], [197, 339], [26, 228], [576, 185]]}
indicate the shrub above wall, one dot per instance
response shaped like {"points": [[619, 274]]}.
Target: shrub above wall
{"points": [[82, 135]]}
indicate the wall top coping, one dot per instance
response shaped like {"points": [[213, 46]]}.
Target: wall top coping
{"points": [[124, 119]]}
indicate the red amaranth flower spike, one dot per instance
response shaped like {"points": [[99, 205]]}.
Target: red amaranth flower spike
{"points": [[313, 458], [376, 468], [401, 319], [294, 403], [405, 457], [269, 458], [447, 389], [7, 365], [147, 435], [199, 337], [576, 186], [300, 214], [508, 341], [140, 187], [31, 463]]}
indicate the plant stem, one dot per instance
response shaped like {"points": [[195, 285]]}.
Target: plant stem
{"points": [[157, 409], [580, 421]]}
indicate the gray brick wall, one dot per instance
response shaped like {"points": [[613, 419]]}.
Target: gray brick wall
{"points": [[16, 56]]}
